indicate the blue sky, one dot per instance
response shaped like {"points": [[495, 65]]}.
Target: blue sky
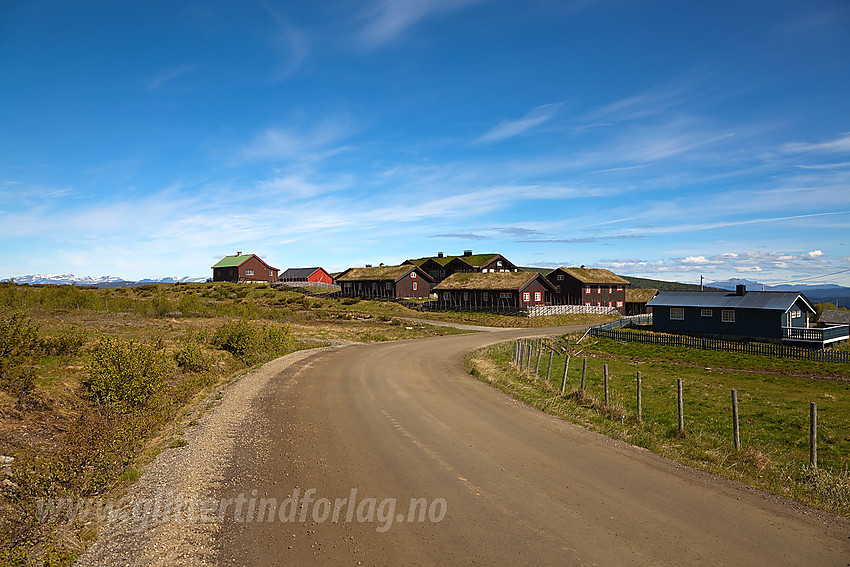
{"points": [[658, 139]]}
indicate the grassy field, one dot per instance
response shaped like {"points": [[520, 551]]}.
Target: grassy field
{"points": [[773, 399]]}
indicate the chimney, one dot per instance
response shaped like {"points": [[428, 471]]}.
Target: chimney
{"points": [[740, 289], [439, 254], [368, 265], [239, 253], [467, 252]]}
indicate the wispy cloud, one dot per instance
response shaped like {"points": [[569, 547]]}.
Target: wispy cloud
{"points": [[291, 44], [386, 20], [510, 128], [292, 143], [167, 79], [839, 145]]}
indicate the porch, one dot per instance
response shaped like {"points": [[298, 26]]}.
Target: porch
{"points": [[821, 336]]}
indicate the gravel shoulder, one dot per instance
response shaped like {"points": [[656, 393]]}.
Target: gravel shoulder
{"points": [[161, 520]]}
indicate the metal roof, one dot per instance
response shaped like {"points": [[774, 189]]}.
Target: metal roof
{"points": [[767, 300], [835, 316], [298, 273]]}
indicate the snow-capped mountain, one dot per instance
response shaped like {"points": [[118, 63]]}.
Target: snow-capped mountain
{"points": [[98, 281]]}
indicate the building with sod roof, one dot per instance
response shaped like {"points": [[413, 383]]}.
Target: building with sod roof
{"points": [[589, 286], [392, 282], [243, 268], [494, 290], [440, 266]]}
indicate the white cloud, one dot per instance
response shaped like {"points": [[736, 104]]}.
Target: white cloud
{"points": [[508, 129], [814, 254], [293, 144], [388, 19], [838, 145]]}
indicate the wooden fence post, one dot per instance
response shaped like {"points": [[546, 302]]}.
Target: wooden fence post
{"points": [[566, 367], [735, 431], [681, 405], [537, 367], [549, 371], [813, 435], [639, 409], [583, 373], [605, 380]]}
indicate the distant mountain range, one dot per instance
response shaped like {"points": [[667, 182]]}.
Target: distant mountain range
{"points": [[100, 281], [818, 293]]}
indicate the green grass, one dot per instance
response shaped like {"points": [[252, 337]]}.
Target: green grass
{"points": [[773, 412]]}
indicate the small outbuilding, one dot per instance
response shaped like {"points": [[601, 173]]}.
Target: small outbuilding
{"points": [[306, 276], [636, 300], [394, 282], [243, 268]]}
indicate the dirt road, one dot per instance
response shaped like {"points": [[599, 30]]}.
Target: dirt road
{"points": [[361, 430]]}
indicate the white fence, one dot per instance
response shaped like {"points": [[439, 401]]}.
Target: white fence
{"points": [[542, 310]]}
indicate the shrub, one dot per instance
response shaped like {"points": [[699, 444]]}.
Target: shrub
{"points": [[125, 374], [66, 344], [19, 346], [249, 343], [191, 358]]}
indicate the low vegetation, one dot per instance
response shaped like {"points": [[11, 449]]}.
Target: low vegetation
{"points": [[773, 395]]}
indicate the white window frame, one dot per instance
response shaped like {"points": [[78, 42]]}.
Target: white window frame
{"points": [[560, 277], [413, 275], [620, 288], [610, 290], [727, 315], [526, 297], [677, 313], [538, 296], [619, 304], [706, 312], [249, 272], [587, 290], [796, 314], [415, 286]]}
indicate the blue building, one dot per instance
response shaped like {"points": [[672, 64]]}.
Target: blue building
{"points": [[775, 316]]}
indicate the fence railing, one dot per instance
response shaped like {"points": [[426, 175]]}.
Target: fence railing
{"points": [[707, 343], [543, 310], [816, 334]]}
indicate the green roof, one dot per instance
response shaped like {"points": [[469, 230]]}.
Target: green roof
{"points": [[594, 275], [376, 273], [641, 295], [232, 261], [488, 281]]}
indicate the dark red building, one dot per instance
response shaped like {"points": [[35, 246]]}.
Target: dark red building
{"points": [[494, 290], [396, 282], [243, 268], [589, 286], [306, 275]]}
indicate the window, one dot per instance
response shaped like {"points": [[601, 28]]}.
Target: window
{"points": [[538, 296], [526, 296], [485, 296], [558, 288], [413, 275], [610, 304], [796, 314], [466, 296], [499, 263], [620, 288], [706, 312], [415, 286], [389, 285], [271, 274], [249, 272], [619, 304], [447, 296], [587, 290], [560, 277], [727, 315], [587, 304], [505, 295], [610, 290], [677, 313]]}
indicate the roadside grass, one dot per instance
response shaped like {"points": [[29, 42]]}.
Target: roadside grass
{"points": [[773, 411]]}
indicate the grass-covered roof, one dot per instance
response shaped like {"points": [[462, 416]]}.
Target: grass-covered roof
{"points": [[487, 281], [641, 295], [376, 273], [594, 276]]}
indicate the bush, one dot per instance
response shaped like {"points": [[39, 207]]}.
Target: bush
{"points": [[19, 346], [125, 374], [191, 358], [66, 344], [249, 343]]}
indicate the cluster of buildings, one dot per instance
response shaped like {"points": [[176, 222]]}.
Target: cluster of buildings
{"points": [[491, 281], [467, 280]]}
